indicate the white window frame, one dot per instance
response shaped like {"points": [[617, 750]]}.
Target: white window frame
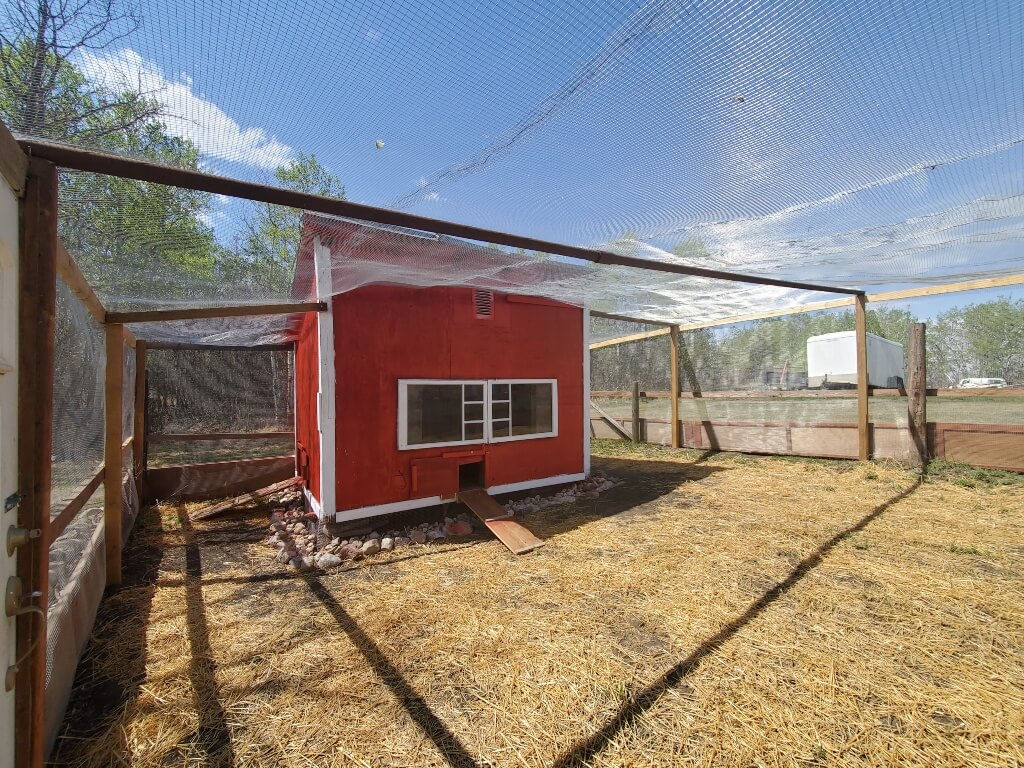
{"points": [[403, 413], [488, 420], [533, 436]]}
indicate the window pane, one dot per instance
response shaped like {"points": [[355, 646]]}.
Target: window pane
{"points": [[474, 392], [474, 412], [500, 428], [434, 413], [475, 431], [499, 410], [531, 409], [499, 391]]}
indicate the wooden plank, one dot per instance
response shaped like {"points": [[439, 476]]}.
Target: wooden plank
{"points": [[631, 337], [673, 361], [864, 436], [510, 532], [611, 422], [246, 498], [177, 345], [112, 450], [72, 276], [139, 418], [83, 159], [199, 313], [917, 393], [66, 515], [217, 479], [37, 307], [994, 450], [937, 290], [909, 293], [13, 161], [187, 437]]}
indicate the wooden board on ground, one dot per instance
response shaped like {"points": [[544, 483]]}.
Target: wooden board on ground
{"points": [[246, 498], [509, 532]]}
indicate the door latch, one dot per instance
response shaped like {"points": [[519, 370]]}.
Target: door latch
{"points": [[18, 537]]}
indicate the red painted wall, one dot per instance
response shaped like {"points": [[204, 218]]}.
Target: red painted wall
{"points": [[307, 435], [386, 333]]}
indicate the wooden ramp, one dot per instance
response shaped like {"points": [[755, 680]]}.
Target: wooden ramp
{"points": [[509, 532]]}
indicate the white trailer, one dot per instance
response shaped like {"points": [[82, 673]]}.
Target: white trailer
{"points": [[832, 361]]}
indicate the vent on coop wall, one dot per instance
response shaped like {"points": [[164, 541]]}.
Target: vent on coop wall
{"points": [[483, 302]]}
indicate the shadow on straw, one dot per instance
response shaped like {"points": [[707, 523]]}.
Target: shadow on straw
{"points": [[583, 751], [212, 736], [446, 742]]}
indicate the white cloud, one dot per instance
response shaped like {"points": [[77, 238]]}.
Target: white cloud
{"points": [[187, 114]]}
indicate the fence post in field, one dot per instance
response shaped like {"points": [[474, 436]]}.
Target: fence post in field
{"points": [[917, 393], [863, 427], [636, 411], [674, 386]]}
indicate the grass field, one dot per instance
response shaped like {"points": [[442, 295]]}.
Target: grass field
{"points": [[974, 410], [710, 610]]}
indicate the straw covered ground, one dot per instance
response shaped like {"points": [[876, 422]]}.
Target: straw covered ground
{"points": [[709, 610]]}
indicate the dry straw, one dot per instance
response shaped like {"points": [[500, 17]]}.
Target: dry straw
{"points": [[708, 611]]}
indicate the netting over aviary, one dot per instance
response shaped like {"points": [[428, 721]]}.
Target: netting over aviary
{"points": [[871, 145]]}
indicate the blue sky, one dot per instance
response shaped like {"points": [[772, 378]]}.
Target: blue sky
{"points": [[858, 143]]}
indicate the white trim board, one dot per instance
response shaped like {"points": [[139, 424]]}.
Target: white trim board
{"points": [[326, 379], [345, 515]]}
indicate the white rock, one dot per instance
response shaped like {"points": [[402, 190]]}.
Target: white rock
{"points": [[387, 544], [371, 547], [328, 560]]}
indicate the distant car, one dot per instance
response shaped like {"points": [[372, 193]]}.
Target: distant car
{"points": [[981, 383]]}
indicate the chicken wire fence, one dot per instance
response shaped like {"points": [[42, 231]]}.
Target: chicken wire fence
{"points": [[77, 559]]}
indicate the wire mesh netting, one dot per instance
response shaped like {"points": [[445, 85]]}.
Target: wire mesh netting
{"points": [[197, 396], [866, 144], [78, 398]]}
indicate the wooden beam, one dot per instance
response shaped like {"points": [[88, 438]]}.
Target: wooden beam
{"points": [[673, 360], [627, 319], [139, 417], [938, 290], [610, 421], [75, 280], [13, 162], [187, 438], [200, 313], [631, 337], [112, 452], [909, 293], [917, 393], [83, 159], [863, 426], [37, 310], [246, 498], [70, 512]]}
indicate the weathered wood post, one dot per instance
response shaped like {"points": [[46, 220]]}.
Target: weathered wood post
{"points": [[112, 451], [636, 411], [673, 336], [37, 312], [863, 426], [917, 393]]}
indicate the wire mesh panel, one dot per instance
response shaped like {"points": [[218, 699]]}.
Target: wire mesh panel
{"points": [[77, 398], [974, 363], [198, 398]]}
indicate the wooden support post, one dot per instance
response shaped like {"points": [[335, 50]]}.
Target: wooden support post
{"points": [[863, 427], [917, 393], [37, 308], [139, 419], [112, 452], [636, 411], [673, 359]]}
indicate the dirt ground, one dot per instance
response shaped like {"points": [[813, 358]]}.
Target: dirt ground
{"points": [[711, 610]]}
